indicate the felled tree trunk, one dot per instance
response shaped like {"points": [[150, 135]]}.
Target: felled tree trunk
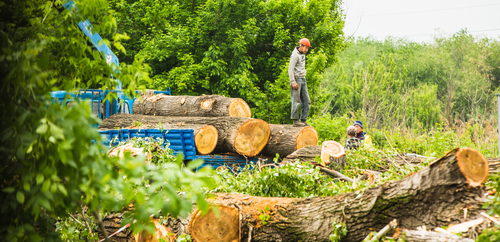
{"points": [[428, 236], [244, 136], [192, 106], [285, 139], [434, 196], [306, 154]]}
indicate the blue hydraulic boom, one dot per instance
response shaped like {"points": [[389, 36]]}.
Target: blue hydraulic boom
{"points": [[96, 40]]}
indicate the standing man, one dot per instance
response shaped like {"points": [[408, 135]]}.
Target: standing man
{"points": [[298, 84]]}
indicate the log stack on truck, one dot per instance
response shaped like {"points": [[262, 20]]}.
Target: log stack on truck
{"points": [[220, 125]]}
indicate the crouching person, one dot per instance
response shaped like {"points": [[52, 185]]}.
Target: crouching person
{"points": [[352, 142]]}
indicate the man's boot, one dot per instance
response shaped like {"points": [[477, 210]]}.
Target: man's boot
{"points": [[305, 123], [297, 123]]}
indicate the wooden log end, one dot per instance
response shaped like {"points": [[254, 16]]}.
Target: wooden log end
{"points": [[252, 137], [308, 136], [239, 108], [330, 148], [473, 166], [206, 104], [206, 139], [211, 227]]}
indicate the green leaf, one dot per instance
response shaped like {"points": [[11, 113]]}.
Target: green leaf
{"points": [[194, 164], [46, 186], [26, 186], [39, 179], [202, 204], [43, 61], [42, 129], [20, 197], [62, 189]]}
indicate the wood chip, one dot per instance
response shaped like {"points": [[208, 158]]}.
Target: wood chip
{"points": [[464, 227]]}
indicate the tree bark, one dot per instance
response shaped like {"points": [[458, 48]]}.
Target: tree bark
{"points": [[285, 139], [192, 106], [306, 154], [434, 196], [428, 236], [244, 136], [309, 154]]}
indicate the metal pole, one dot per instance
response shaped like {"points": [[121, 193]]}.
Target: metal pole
{"points": [[498, 99]]}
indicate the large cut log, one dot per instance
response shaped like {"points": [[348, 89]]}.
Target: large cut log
{"points": [[244, 136], [434, 196], [192, 106], [285, 139]]}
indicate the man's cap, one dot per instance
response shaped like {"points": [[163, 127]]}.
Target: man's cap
{"points": [[358, 123]]}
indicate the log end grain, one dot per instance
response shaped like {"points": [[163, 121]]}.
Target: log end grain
{"points": [[308, 136], [473, 166], [206, 103], [252, 137], [331, 148], [212, 228], [239, 108], [206, 139]]}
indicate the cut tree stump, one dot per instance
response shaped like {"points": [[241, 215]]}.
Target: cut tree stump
{"points": [[192, 106], [285, 139], [428, 236], [433, 196], [333, 155], [244, 136]]}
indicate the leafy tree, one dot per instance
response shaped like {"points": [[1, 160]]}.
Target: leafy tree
{"points": [[235, 48], [448, 80], [53, 160]]}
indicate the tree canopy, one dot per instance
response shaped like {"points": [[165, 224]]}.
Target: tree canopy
{"points": [[234, 48], [53, 161]]}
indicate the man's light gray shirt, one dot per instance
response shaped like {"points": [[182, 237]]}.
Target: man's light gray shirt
{"points": [[297, 66]]}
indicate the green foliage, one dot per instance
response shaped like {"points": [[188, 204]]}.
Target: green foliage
{"points": [[493, 204], [289, 180], [263, 215], [339, 231], [433, 142], [77, 227], [53, 160], [233, 48], [396, 82]]}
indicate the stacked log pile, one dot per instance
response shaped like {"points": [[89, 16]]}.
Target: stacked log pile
{"points": [[221, 125]]}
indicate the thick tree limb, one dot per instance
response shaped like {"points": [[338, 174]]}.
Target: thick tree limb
{"points": [[433, 197]]}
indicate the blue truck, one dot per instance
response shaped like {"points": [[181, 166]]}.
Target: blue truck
{"points": [[181, 141]]}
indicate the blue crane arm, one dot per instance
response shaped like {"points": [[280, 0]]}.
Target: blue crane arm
{"points": [[96, 40]]}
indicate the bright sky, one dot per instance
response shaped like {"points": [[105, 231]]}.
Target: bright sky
{"points": [[421, 20]]}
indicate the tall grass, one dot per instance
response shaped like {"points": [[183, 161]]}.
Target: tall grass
{"points": [[435, 141]]}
